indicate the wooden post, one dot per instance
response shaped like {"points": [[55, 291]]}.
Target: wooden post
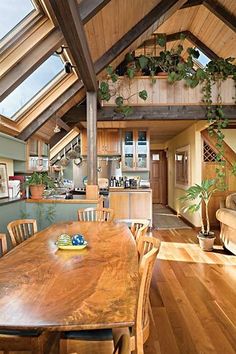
{"points": [[92, 186]]}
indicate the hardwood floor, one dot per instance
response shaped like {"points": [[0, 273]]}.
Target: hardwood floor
{"points": [[193, 297]]}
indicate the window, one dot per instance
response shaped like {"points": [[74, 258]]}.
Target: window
{"points": [[12, 12], [13, 105], [182, 167], [202, 60]]}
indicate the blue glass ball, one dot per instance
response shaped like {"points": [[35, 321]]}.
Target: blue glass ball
{"points": [[77, 240]]}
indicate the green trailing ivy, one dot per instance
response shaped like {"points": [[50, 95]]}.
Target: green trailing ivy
{"points": [[171, 62]]}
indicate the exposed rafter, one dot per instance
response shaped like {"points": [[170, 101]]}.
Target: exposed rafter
{"points": [[68, 17], [50, 111], [191, 37], [217, 9], [220, 11], [89, 8], [191, 3], [165, 7], [181, 112], [62, 124]]}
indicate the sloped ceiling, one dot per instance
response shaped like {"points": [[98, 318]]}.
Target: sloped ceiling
{"points": [[118, 16]]}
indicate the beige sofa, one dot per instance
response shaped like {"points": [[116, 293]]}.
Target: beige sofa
{"points": [[227, 217]]}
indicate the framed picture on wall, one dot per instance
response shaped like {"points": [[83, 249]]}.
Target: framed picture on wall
{"points": [[3, 181], [182, 167]]}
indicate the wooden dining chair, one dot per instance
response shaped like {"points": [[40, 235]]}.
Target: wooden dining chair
{"points": [[3, 243], [139, 227], [95, 214], [33, 342], [149, 248], [21, 229]]}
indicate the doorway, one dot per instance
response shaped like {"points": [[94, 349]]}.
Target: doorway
{"points": [[159, 176]]}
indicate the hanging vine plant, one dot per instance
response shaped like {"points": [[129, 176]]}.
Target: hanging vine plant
{"points": [[171, 62]]}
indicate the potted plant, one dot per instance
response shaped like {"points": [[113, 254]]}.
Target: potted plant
{"points": [[201, 195], [37, 183]]}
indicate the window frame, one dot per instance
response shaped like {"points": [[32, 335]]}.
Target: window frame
{"points": [[24, 26], [183, 184]]}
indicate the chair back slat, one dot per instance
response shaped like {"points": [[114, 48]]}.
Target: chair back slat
{"points": [[93, 214], [139, 227], [148, 248], [21, 229], [3, 243]]}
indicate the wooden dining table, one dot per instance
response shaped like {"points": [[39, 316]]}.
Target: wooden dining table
{"points": [[42, 287]]}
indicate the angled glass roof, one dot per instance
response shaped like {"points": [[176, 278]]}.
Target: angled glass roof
{"points": [[31, 87], [12, 12]]}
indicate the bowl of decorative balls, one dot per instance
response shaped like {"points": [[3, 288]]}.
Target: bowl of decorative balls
{"points": [[75, 242]]}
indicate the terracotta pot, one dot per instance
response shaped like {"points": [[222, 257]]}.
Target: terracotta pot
{"points": [[206, 243], [36, 191]]}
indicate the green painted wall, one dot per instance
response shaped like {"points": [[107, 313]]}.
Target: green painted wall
{"points": [[12, 148], [44, 213]]}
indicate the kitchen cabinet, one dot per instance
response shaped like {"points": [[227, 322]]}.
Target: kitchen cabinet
{"points": [[108, 142], [135, 150], [37, 155], [131, 204]]}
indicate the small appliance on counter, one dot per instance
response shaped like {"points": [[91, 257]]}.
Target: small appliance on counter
{"points": [[144, 183]]}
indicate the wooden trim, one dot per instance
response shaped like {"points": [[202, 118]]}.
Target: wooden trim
{"points": [[221, 12], [63, 142], [57, 97], [68, 17], [167, 112], [26, 65], [229, 154], [191, 3], [64, 201], [89, 8]]}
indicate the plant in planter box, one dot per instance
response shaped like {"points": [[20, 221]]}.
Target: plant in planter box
{"points": [[201, 194], [37, 183]]}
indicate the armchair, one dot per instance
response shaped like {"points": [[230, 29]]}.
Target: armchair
{"points": [[227, 217]]}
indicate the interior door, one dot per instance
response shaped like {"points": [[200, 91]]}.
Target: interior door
{"points": [[159, 176]]}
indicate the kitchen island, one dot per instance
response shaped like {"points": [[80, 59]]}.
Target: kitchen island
{"points": [[131, 203]]}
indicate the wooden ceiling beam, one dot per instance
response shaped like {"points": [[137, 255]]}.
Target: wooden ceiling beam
{"points": [[50, 111], [68, 17], [221, 12], [191, 3], [165, 7], [89, 8], [180, 112], [63, 125]]}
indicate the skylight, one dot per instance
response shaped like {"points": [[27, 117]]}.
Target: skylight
{"points": [[12, 12], [40, 79], [202, 59]]}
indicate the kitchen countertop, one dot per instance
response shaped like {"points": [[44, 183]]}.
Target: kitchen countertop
{"points": [[122, 189], [80, 199]]}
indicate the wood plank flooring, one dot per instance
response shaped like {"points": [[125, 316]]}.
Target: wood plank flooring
{"points": [[193, 297]]}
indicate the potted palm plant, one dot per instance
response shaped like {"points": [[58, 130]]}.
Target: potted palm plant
{"points": [[37, 183], [201, 194]]}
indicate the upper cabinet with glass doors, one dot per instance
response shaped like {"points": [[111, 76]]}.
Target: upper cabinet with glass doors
{"points": [[135, 150]]}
